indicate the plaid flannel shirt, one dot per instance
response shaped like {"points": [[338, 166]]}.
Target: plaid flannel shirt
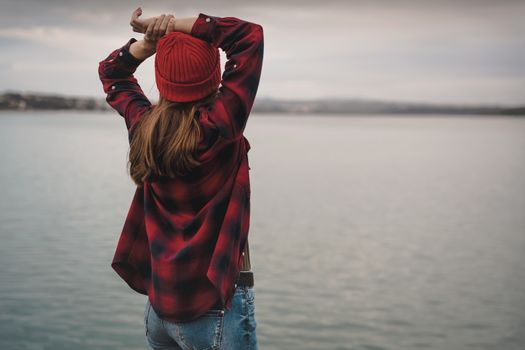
{"points": [[182, 239]]}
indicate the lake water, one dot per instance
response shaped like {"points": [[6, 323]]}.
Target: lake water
{"points": [[373, 232]]}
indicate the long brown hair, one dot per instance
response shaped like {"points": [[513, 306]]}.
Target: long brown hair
{"points": [[165, 139]]}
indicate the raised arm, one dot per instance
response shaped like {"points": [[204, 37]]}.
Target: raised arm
{"points": [[123, 93], [243, 44]]}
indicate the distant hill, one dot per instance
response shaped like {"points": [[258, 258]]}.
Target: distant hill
{"points": [[359, 106], [31, 101], [35, 101]]}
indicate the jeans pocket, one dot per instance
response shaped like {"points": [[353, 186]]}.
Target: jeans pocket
{"points": [[205, 332], [250, 295]]}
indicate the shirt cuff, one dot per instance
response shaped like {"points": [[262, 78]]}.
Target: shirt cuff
{"points": [[204, 27], [123, 55]]}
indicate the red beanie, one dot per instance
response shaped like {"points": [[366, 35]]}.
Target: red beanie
{"points": [[186, 68]]}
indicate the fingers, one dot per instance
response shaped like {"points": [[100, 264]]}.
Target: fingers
{"points": [[136, 14], [156, 30], [148, 36], [134, 18], [159, 27], [164, 25], [171, 25], [139, 25]]}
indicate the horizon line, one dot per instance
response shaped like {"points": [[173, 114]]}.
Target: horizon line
{"points": [[313, 99]]}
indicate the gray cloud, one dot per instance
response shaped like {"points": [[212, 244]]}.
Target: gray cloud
{"points": [[436, 51]]}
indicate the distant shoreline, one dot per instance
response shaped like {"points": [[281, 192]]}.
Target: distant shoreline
{"points": [[18, 101]]}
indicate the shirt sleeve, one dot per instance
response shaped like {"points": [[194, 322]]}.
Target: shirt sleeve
{"points": [[123, 93], [243, 44]]}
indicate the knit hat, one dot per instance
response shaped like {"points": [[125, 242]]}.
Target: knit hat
{"points": [[186, 68]]}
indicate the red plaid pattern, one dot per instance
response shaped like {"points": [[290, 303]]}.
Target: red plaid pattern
{"points": [[182, 239]]}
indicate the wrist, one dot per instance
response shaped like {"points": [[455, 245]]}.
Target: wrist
{"points": [[148, 46], [142, 49]]}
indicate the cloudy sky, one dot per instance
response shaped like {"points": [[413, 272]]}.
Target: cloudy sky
{"points": [[454, 51]]}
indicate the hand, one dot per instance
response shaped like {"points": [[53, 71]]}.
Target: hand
{"points": [[141, 25], [158, 28]]}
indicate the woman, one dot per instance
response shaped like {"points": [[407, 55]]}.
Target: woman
{"points": [[184, 243]]}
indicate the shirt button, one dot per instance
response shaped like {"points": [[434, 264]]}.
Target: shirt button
{"points": [[222, 312], [235, 285], [120, 53], [113, 87], [235, 66], [243, 253], [208, 19]]}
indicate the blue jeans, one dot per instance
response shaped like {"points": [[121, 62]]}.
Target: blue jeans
{"points": [[233, 330]]}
